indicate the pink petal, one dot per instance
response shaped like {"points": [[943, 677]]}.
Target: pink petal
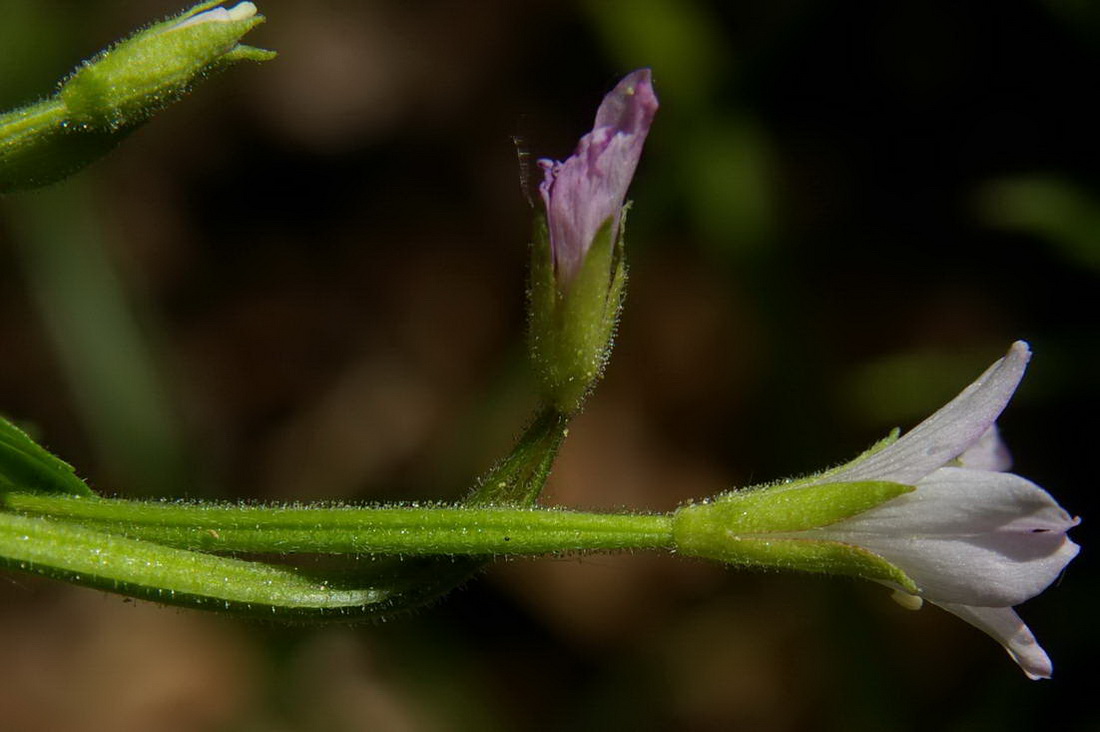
{"points": [[967, 536], [948, 433], [1005, 626], [988, 453], [630, 106], [589, 188]]}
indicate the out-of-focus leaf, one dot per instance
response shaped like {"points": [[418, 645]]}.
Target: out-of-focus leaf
{"points": [[1057, 211]]}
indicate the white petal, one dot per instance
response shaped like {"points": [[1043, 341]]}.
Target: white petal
{"points": [[240, 11], [967, 536], [949, 432], [988, 453], [960, 501], [1005, 626]]}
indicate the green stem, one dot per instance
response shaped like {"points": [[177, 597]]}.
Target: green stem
{"points": [[516, 481], [415, 553], [406, 530], [40, 144]]}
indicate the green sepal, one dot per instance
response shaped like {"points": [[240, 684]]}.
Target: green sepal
{"points": [[759, 527], [542, 297], [572, 324], [26, 466], [780, 508], [125, 84], [613, 303], [243, 52], [804, 555]]}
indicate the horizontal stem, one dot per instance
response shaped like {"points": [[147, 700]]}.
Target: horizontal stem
{"points": [[409, 530]]}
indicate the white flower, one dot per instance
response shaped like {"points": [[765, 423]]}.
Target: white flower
{"points": [[975, 541]]}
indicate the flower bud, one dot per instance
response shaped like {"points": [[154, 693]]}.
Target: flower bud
{"points": [[577, 266], [109, 95], [125, 84]]}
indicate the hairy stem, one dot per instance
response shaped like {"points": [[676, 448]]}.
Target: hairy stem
{"points": [[39, 144], [406, 530], [401, 557]]}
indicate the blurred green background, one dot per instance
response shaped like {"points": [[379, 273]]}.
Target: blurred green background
{"points": [[305, 281]]}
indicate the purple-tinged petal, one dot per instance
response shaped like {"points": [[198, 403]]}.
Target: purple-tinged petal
{"points": [[948, 433], [988, 453], [589, 188], [967, 536], [1005, 626], [630, 106]]}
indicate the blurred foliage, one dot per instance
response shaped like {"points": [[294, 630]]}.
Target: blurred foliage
{"points": [[900, 386], [326, 256], [94, 326], [1056, 211], [33, 44]]}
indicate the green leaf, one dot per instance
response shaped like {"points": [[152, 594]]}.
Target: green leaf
{"points": [[26, 466]]}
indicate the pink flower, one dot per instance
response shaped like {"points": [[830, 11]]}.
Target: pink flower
{"points": [[588, 189]]}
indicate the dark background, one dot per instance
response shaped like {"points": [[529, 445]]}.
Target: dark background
{"points": [[305, 281]]}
